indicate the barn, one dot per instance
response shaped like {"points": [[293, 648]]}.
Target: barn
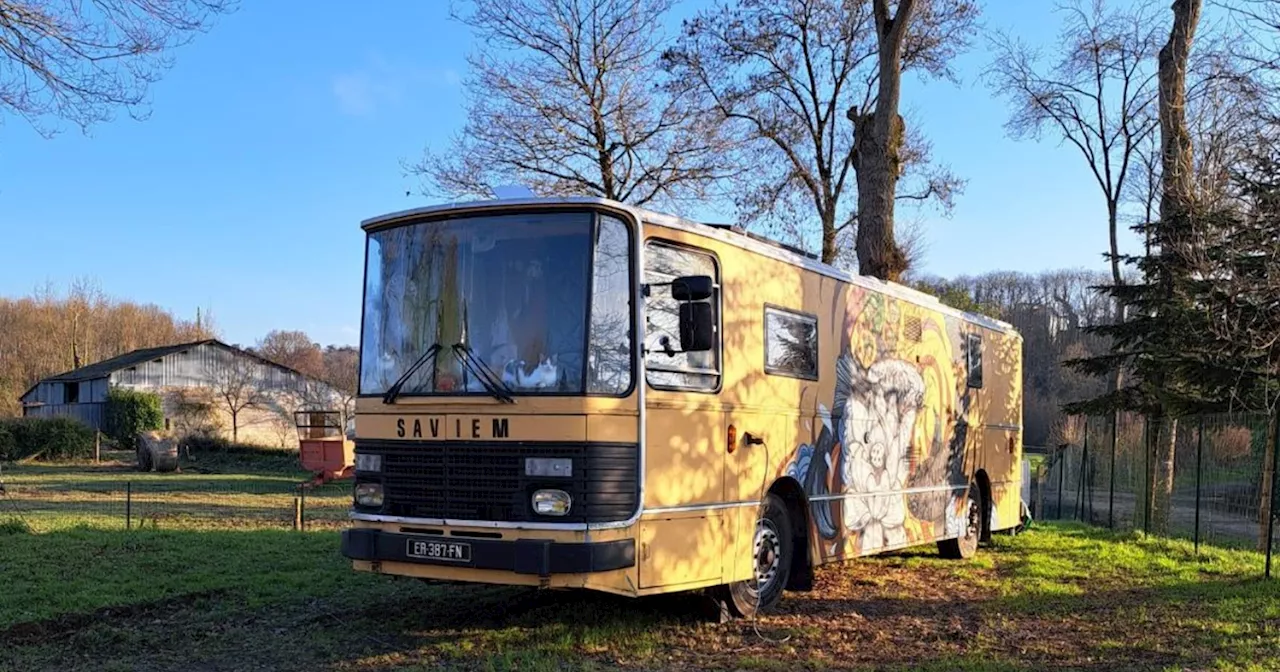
{"points": [[223, 375]]}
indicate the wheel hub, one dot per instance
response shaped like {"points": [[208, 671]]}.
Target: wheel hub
{"points": [[767, 556]]}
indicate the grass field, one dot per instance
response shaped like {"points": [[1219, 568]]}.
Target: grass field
{"points": [[78, 595]]}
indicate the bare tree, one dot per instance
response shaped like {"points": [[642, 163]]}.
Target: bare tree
{"points": [[295, 350], [43, 333], [566, 97], [237, 385], [1099, 94], [781, 77], [80, 61], [341, 373], [939, 29]]}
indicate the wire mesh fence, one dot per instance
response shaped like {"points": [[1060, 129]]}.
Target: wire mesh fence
{"points": [[44, 501], [1216, 490]]}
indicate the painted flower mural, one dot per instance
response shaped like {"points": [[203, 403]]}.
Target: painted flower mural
{"points": [[883, 469]]}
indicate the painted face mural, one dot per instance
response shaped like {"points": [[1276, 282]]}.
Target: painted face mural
{"points": [[879, 412], [886, 468]]}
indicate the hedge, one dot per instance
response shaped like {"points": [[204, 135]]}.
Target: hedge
{"points": [[129, 413], [45, 439]]}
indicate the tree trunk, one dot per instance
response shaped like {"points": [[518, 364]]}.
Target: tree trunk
{"points": [[829, 251], [1162, 495], [1177, 159], [877, 140], [1268, 484], [1177, 200], [235, 427]]}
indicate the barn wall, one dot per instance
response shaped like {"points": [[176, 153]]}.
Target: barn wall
{"points": [[197, 367], [89, 414]]}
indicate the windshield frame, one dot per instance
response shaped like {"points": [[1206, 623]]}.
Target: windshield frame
{"points": [[628, 221]]}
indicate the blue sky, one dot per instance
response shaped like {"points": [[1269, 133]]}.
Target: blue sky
{"points": [[278, 131]]}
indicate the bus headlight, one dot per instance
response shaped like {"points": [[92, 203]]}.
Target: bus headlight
{"points": [[551, 502], [369, 494], [368, 462]]}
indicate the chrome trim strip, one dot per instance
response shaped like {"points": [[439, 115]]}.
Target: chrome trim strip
{"points": [[701, 507], [996, 425], [906, 491], [444, 522]]}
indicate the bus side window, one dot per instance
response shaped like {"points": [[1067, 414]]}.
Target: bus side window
{"points": [[666, 368], [973, 359]]}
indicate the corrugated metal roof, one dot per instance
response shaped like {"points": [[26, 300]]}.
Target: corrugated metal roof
{"points": [[108, 366]]}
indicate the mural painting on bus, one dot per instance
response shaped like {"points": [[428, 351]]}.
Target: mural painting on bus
{"points": [[886, 468]]}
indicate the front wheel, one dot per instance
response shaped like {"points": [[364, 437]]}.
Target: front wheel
{"points": [[966, 546], [772, 550]]}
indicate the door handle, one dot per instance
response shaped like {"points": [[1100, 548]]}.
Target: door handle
{"points": [[752, 439]]}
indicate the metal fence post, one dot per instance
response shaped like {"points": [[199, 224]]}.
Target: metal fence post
{"points": [[297, 513], [1147, 481], [1084, 470], [1271, 519], [1111, 498], [302, 508], [1062, 477], [128, 505], [1199, 468]]}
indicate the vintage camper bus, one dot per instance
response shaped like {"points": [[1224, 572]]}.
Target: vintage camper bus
{"points": [[576, 393]]}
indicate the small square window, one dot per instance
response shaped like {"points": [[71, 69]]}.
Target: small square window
{"points": [[790, 343], [973, 359]]}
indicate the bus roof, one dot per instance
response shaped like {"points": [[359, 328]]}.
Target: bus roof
{"points": [[727, 234]]}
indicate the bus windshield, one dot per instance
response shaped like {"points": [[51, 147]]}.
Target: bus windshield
{"points": [[521, 291]]}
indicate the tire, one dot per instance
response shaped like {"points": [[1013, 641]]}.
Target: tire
{"points": [[144, 458], [773, 551], [966, 546]]}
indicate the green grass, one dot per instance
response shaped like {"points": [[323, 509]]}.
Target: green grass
{"points": [[221, 582], [1056, 597]]}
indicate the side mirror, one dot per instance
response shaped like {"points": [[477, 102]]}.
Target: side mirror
{"points": [[697, 327], [692, 288]]}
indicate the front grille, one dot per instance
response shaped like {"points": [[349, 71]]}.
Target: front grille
{"points": [[487, 481]]}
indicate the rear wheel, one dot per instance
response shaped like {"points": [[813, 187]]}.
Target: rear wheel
{"points": [[966, 545], [772, 548]]}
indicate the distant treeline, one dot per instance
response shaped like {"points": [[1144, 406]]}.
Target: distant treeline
{"points": [[1050, 309], [52, 332]]}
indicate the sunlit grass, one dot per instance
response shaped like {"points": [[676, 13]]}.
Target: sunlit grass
{"points": [[187, 588]]}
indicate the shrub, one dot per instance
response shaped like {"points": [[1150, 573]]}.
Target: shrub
{"points": [[8, 446], [129, 413], [14, 526], [1230, 444], [201, 443], [47, 439], [192, 410]]}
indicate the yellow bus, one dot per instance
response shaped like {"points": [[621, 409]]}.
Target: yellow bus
{"points": [[576, 393]]}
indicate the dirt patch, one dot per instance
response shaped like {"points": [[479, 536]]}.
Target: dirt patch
{"points": [[41, 631]]}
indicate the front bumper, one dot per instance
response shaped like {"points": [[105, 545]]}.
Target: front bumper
{"points": [[540, 557]]}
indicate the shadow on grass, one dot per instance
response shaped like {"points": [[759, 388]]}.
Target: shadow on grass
{"points": [[202, 599]]}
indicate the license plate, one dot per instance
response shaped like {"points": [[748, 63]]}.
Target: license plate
{"points": [[452, 551]]}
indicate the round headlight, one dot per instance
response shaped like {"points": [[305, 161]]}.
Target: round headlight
{"points": [[369, 494], [552, 502]]}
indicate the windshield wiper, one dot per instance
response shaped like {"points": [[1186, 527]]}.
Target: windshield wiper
{"points": [[394, 391], [492, 384]]}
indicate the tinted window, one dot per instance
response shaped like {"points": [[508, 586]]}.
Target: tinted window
{"points": [[666, 368], [973, 355], [790, 343]]}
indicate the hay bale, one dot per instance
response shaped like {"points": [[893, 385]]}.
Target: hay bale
{"points": [[161, 451]]}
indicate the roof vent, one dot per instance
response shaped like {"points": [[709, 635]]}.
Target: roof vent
{"points": [[512, 191]]}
